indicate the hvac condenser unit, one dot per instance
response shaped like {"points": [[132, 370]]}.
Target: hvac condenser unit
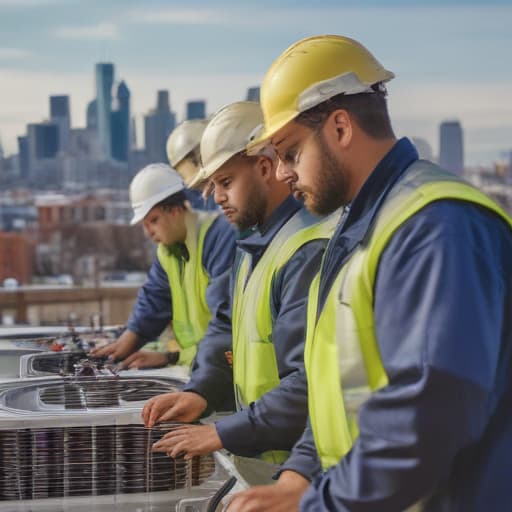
{"points": [[77, 444]]}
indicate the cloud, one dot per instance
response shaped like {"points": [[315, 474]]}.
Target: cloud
{"points": [[26, 3], [99, 31], [200, 16], [14, 53]]}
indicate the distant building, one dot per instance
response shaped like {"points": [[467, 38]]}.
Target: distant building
{"points": [[43, 141], [16, 257], [158, 124], [137, 160], [23, 157], [92, 115], [60, 115], [104, 82], [253, 94], [451, 147], [17, 217], [423, 147], [120, 124], [196, 109]]}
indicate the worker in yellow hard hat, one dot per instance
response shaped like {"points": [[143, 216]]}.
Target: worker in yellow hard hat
{"points": [[409, 327]]}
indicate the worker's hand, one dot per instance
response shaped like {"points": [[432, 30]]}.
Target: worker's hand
{"points": [[284, 496], [189, 440], [120, 349], [182, 406], [145, 359]]}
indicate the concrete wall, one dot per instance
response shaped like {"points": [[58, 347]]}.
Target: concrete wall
{"points": [[56, 305]]}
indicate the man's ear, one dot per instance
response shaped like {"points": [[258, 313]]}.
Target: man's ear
{"points": [[339, 127], [265, 167]]}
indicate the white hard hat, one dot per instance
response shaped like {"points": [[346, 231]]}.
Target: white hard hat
{"points": [[151, 185], [228, 133], [184, 139]]}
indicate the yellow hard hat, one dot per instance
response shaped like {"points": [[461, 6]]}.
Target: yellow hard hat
{"points": [[312, 71]]}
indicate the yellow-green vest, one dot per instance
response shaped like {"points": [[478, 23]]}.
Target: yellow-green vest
{"points": [[342, 358], [255, 370], [188, 281]]}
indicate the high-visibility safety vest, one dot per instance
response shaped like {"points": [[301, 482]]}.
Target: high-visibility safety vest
{"points": [[188, 281], [255, 370], [342, 358]]}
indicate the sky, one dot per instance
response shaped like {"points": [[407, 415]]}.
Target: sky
{"points": [[452, 59]]}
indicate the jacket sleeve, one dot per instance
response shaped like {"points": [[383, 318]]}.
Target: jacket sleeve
{"points": [[303, 459], [278, 418], [152, 311], [211, 375], [439, 315]]}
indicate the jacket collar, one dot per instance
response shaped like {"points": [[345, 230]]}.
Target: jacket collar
{"points": [[259, 237], [360, 214]]}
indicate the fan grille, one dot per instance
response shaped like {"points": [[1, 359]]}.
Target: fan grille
{"points": [[92, 460]]}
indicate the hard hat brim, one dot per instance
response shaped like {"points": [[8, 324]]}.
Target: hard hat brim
{"points": [[197, 180], [256, 145], [213, 166]]}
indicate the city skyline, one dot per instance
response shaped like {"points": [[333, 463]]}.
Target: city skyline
{"points": [[448, 57]]}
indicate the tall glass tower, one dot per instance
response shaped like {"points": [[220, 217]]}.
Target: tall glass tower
{"points": [[60, 115], [104, 81], [120, 124], [451, 147], [158, 124]]}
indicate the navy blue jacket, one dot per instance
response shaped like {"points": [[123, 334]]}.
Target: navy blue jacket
{"points": [[441, 430], [197, 201], [152, 311], [277, 419]]}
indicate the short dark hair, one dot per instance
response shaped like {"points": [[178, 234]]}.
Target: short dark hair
{"points": [[175, 200], [368, 109]]}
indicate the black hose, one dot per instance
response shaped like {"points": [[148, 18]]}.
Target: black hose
{"points": [[217, 497]]}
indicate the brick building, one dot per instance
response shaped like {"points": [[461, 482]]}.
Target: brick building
{"points": [[16, 257]]}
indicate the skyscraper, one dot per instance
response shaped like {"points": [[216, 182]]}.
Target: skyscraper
{"points": [[104, 81], [92, 115], [196, 109], [451, 147], [60, 115], [43, 141], [120, 124], [158, 124], [23, 157], [253, 94]]}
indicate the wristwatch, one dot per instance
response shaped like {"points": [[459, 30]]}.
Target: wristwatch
{"points": [[172, 357]]}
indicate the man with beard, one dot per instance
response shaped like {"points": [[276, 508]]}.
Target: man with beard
{"points": [[274, 266], [409, 347]]}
